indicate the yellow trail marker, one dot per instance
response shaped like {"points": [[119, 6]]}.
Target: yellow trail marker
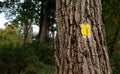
{"points": [[85, 29]]}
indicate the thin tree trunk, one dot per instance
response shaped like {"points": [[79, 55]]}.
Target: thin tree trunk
{"points": [[75, 54], [25, 34], [26, 31]]}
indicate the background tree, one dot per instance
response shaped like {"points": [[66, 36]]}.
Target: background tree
{"points": [[27, 11], [15, 10], [42, 14], [45, 10], [9, 36], [75, 54], [28, 58]]}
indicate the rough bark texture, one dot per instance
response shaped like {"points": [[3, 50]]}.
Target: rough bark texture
{"points": [[74, 54]]}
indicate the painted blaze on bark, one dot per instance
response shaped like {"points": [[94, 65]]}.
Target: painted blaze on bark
{"points": [[74, 54]]}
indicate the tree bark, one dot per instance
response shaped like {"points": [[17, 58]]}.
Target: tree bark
{"points": [[75, 54], [26, 31], [25, 34], [43, 32]]}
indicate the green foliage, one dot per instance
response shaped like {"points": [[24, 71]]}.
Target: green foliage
{"points": [[45, 52], [39, 69], [8, 36], [115, 62], [27, 59], [30, 58], [16, 58], [111, 18]]}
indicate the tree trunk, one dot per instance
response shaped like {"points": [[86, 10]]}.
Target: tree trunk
{"points": [[26, 31], [75, 54], [44, 23], [25, 34]]}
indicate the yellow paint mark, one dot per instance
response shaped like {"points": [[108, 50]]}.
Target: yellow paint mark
{"points": [[85, 29]]}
